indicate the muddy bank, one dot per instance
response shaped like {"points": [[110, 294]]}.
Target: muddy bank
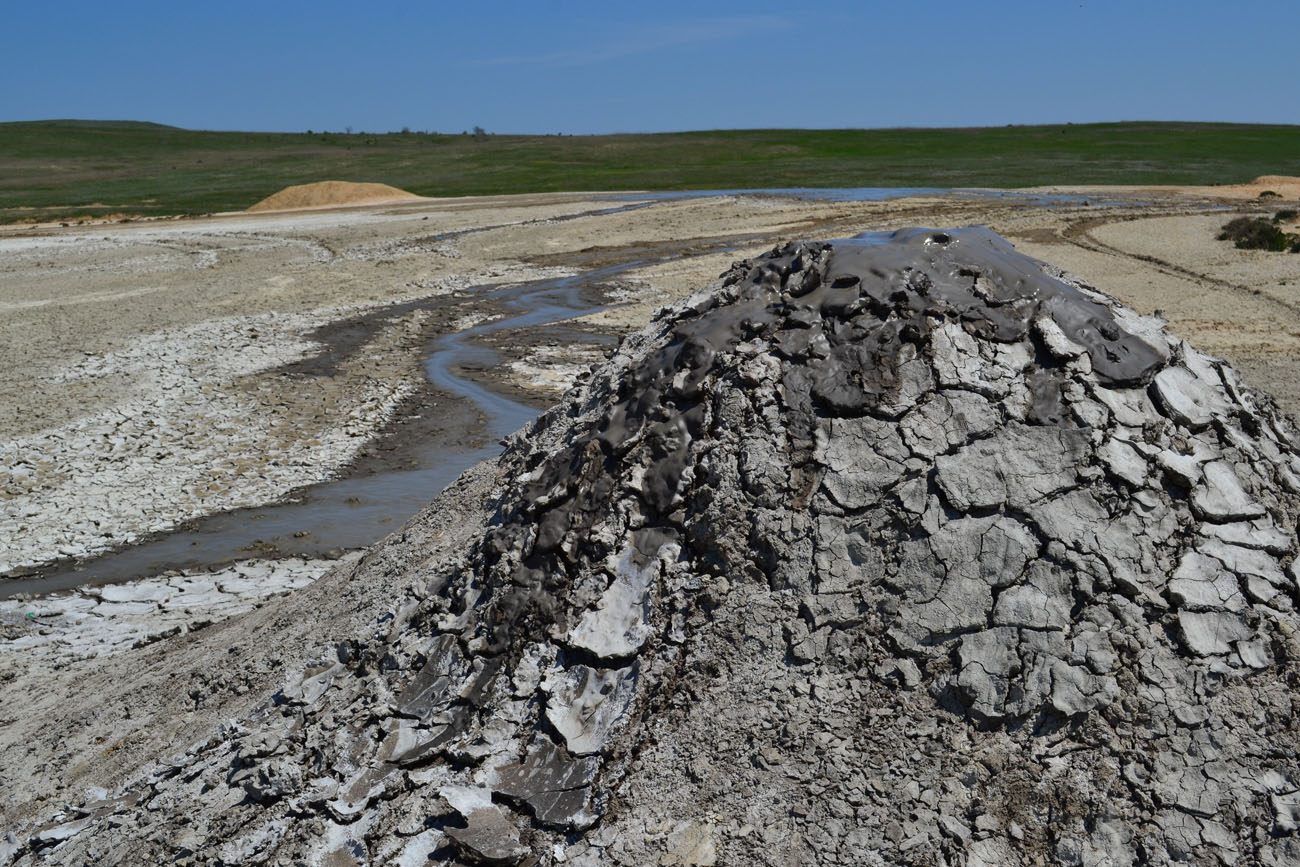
{"points": [[432, 431], [432, 435], [491, 361]]}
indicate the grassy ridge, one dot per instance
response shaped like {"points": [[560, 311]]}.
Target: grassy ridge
{"points": [[63, 168]]}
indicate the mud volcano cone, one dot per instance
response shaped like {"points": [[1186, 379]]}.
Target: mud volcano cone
{"points": [[900, 549]]}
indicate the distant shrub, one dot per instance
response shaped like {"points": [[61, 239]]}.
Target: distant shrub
{"points": [[1269, 194], [1257, 233], [1285, 214]]}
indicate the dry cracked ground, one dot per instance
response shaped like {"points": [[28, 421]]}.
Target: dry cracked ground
{"points": [[166, 371]]}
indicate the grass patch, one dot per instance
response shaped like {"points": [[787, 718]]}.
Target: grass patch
{"points": [[67, 169], [1258, 233]]}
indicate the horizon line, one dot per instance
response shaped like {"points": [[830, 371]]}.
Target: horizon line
{"points": [[411, 131]]}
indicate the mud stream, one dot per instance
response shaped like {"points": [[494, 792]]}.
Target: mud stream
{"points": [[358, 510]]}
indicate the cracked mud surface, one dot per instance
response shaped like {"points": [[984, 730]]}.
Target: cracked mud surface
{"points": [[901, 549]]}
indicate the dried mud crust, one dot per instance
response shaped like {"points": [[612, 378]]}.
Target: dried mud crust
{"points": [[902, 550], [420, 415], [537, 364]]}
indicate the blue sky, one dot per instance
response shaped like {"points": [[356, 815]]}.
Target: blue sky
{"points": [[587, 67]]}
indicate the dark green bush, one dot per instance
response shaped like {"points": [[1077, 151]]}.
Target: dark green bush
{"points": [[1285, 214], [1257, 233]]}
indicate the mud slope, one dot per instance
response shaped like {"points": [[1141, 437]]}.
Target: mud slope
{"points": [[902, 549]]}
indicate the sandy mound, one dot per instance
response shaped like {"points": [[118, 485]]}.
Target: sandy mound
{"points": [[332, 194], [1286, 187], [903, 549]]}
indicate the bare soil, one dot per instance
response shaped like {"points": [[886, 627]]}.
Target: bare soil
{"points": [[331, 194]]}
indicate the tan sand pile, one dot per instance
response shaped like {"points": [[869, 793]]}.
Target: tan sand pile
{"points": [[1286, 187], [331, 194]]}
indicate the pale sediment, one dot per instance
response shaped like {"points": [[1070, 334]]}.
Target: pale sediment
{"points": [[61, 629], [196, 432]]}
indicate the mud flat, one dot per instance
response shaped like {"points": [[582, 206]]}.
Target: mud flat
{"points": [[61, 629], [165, 374]]}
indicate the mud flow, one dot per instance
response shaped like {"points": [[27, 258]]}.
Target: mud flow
{"points": [[357, 510]]}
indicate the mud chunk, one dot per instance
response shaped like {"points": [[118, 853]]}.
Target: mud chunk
{"points": [[864, 457], [949, 419], [1201, 583], [1222, 498], [488, 836], [1188, 399], [433, 686], [1207, 633], [586, 703], [554, 786], [1125, 461], [1030, 607], [988, 660], [1077, 691], [620, 622]]}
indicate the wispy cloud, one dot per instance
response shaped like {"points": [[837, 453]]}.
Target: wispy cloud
{"points": [[649, 40]]}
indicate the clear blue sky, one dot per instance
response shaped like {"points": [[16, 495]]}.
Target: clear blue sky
{"points": [[542, 67]]}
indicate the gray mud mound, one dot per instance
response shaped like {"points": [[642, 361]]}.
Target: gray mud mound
{"points": [[902, 549]]}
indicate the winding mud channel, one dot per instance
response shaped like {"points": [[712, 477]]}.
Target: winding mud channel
{"points": [[354, 512]]}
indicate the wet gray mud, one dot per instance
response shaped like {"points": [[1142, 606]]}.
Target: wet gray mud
{"points": [[459, 422], [904, 549]]}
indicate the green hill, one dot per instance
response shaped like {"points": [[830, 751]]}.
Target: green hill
{"points": [[76, 123], [61, 168]]}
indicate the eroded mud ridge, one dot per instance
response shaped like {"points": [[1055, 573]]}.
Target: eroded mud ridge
{"points": [[901, 549]]}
